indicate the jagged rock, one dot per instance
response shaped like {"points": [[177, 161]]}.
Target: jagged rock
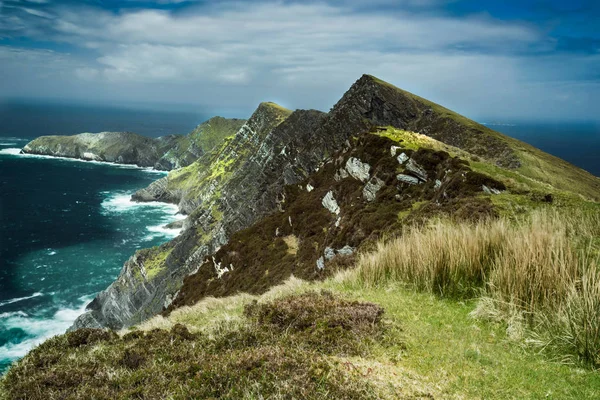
{"points": [[416, 169], [371, 188], [357, 169], [309, 187], [320, 263], [411, 180], [330, 203], [175, 225], [329, 253], [237, 185], [341, 174], [346, 251], [394, 149], [402, 158]]}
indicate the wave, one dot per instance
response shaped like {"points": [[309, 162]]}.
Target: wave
{"points": [[17, 152], [119, 202], [16, 299], [161, 231], [11, 151], [39, 329]]}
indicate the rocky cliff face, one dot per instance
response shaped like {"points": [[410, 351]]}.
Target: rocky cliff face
{"points": [[138, 293], [244, 181], [164, 153]]}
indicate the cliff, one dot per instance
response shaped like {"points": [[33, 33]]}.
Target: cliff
{"points": [[164, 153], [244, 180]]}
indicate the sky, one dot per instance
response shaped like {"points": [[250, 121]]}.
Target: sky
{"points": [[488, 59]]}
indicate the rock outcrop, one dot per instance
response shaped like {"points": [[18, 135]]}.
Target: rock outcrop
{"points": [[164, 153]]}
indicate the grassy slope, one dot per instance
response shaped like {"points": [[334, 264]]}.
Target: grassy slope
{"points": [[217, 164], [535, 164], [211, 133], [524, 190]]}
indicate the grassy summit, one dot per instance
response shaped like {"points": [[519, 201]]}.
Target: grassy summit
{"points": [[530, 163]]}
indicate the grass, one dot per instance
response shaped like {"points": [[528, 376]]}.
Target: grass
{"points": [[535, 165], [154, 261], [542, 271]]}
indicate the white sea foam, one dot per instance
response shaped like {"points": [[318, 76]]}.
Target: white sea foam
{"points": [[17, 152], [121, 202], [38, 328], [11, 151], [16, 299], [13, 314], [161, 231]]}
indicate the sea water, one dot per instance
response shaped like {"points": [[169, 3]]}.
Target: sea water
{"points": [[66, 228]]}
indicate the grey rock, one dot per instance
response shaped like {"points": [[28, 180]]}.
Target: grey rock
{"points": [[402, 158], [320, 263], [371, 188], [309, 187], [394, 149], [340, 174], [416, 169], [357, 169], [346, 251], [329, 253], [330, 203], [489, 190], [175, 225], [411, 180]]}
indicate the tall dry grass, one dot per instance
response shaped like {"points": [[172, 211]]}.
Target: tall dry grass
{"points": [[545, 266]]}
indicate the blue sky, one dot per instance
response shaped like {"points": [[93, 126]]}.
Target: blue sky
{"points": [[502, 60]]}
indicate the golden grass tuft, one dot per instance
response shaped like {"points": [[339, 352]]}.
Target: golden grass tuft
{"points": [[542, 270]]}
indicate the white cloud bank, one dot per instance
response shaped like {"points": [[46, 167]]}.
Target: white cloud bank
{"points": [[304, 55]]}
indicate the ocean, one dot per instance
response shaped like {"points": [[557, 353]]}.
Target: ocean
{"points": [[67, 226]]}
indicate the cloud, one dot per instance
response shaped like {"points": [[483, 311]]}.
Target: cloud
{"points": [[37, 13], [303, 53]]}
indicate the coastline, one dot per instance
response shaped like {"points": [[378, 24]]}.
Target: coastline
{"points": [[18, 152], [42, 310]]}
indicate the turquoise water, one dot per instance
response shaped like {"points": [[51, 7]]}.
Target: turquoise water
{"points": [[66, 228]]}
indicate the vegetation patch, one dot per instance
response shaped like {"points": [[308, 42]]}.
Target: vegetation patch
{"points": [[272, 354], [541, 271]]}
